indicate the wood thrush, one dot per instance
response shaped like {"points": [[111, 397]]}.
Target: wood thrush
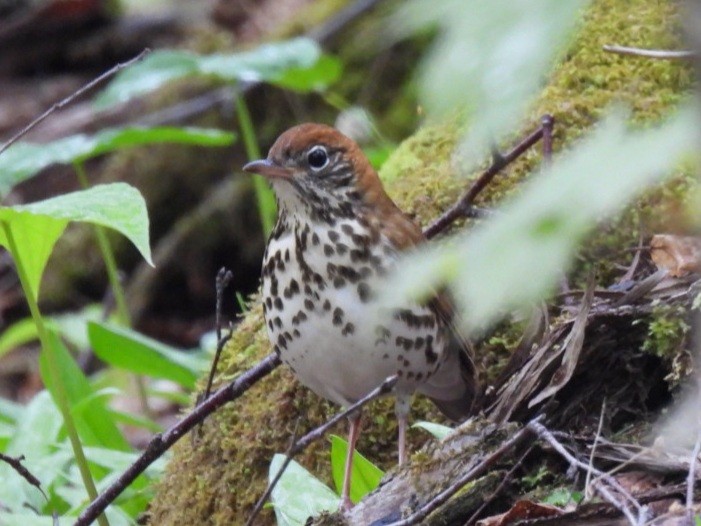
{"points": [[337, 234]]}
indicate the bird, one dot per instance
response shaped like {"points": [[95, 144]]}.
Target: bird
{"points": [[337, 236]]}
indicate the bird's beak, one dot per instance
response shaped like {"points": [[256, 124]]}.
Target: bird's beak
{"points": [[268, 169]]}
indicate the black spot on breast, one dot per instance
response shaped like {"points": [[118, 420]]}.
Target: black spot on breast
{"points": [[339, 282], [419, 376], [364, 292], [309, 304], [269, 302], [276, 349], [347, 229], [341, 248], [315, 239], [418, 343], [327, 305], [333, 235], [278, 303], [431, 356], [270, 324], [296, 333], [281, 342], [278, 322], [348, 329], [294, 287], [287, 255], [337, 316], [328, 250]]}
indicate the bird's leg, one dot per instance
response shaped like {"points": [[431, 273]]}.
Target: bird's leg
{"points": [[401, 409], [353, 433]]}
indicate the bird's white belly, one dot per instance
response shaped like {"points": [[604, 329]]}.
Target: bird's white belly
{"points": [[332, 336]]}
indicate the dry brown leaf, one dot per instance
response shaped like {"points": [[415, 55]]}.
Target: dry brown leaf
{"points": [[521, 511], [679, 255]]}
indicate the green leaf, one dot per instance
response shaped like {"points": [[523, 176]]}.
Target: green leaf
{"points": [[21, 332], [10, 411], [92, 417], [37, 226], [135, 352], [562, 497], [437, 430], [35, 436], [489, 58], [299, 494], [23, 160], [518, 256], [296, 64], [365, 476]]}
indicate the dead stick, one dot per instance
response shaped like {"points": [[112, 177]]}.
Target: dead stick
{"points": [[544, 434], [470, 475], [464, 205], [652, 53], [163, 441], [222, 281], [16, 464], [107, 74], [316, 434]]}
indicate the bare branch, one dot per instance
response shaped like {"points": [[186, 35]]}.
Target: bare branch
{"points": [[442, 497], [464, 206], [663, 54], [163, 441], [87, 87], [16, 464]]}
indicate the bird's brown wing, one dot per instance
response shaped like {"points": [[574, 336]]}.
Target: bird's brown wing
{"points": [[454, 387]]}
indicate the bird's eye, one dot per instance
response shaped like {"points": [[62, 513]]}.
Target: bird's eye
{"points": [[317, 158]]}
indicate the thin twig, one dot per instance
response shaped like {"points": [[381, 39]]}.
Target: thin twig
{"points": [[16, 464], [542, 432], [163, 441], [691, 479], [222, 281], [500, 487], [587, 481], [499, 162], [437, 501], [651, 53], [87, 87], [317, 433], [547, 123]]}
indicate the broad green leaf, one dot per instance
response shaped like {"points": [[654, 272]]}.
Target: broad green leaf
{"points": [[92, 417], [365, 476], [23, 160], [298, 494], [37, 226], [517, 257], [296, 64], [437, 430], [135, 352], [73, 326], [489, 58]]}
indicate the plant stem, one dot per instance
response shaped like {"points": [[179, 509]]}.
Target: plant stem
{"points": [[264, 196], [108, 256], [123, 316], [47, 349]]}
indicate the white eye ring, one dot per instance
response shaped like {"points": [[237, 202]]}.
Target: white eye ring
{"points": [[317, 158]]}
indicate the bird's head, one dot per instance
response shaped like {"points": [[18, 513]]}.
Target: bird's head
{"points": [[317, 171]]}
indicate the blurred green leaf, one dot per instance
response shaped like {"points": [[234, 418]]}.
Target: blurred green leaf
{"points": [[92, 417], [135, 352], [23, 160], [562, 497], [489, 58], [21, 332], [437, 430], [37, 226], [295, 64], [299, 494], [10, 411], [35, 436], [522, 251], [365, 476]]}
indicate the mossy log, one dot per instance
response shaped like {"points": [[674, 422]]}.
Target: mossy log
{"points": [[217, 479]]}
